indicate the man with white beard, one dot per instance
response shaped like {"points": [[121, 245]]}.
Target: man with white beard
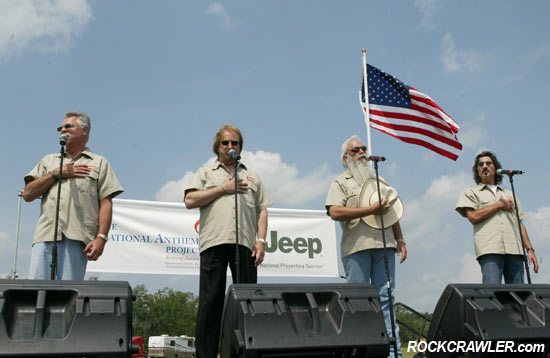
{"points": [[361, 245]]}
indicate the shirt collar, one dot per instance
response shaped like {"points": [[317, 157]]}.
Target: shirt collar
{"points": [[86, 152], [482, 186], [217, 164]]}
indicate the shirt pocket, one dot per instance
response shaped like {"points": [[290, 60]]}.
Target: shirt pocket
{"points": [[250, 195], [214, 180], [352, 197], [88, 185], [485, 203]]}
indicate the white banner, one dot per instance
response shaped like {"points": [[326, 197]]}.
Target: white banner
{"points": [[163, 238]]}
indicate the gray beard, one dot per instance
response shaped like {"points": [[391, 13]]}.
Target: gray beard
{"points": [[360, 169]]}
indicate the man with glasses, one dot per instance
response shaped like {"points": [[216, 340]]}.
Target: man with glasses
{"points": [[362, 246], [88, 185], [490, 209], [212, 189]]}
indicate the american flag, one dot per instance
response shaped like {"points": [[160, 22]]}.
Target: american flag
{"points": [[408, 114]]}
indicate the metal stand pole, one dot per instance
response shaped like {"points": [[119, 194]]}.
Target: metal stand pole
{"points": [[53, 265], [525, 262], [14, 274], [237, 255], [386, 264]]}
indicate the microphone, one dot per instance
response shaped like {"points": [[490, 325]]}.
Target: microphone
{"points": [[234, 154], [510, 171], [376, 158], [63, 139]]}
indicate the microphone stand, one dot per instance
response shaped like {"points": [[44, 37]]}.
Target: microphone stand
{"points": [[237, 255], [393, 339], [53, 265], [525, 262]]}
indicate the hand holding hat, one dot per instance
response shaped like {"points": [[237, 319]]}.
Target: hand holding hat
{"points": [[369, 196]]}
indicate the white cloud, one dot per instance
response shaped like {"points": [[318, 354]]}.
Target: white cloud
{"points": [[470, 271], [218, 10], [455, 60], [424, 290], [285, 185], [538, 228], [427, 8], [42, 25], [283, 181], [433, 211], [173, 190], [473, 133]]}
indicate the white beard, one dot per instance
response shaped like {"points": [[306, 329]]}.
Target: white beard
{"points": [[360, 169]]}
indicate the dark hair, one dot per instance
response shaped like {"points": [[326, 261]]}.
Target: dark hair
{"points": [[496, 163], [218, 137]]}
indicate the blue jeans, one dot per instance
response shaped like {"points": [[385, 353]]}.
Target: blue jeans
{"points": [[494, 266], [71, 261], [368, 266]]}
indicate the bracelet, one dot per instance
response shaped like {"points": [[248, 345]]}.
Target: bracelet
{"points": [[224, 192], [53, 175], [401, 240], [262, 241], [101, 236], [531, 249]]}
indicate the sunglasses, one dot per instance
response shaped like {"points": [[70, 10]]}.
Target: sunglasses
{"points": [[233, 142], [66, 126], [480, 164], [357, 149]]}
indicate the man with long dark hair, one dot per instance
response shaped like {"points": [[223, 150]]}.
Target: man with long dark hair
{"points": [[490, 209]]}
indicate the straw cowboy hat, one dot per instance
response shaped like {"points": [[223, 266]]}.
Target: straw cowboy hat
{"points": [[369, 196]]}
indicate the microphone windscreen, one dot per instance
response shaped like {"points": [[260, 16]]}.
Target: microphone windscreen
{"points": [[63, 139]]}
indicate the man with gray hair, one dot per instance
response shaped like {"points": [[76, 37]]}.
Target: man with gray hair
{"points": [[88, 185], [362, 245]]}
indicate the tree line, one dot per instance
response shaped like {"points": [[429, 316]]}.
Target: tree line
{"points": [[174, 313]]}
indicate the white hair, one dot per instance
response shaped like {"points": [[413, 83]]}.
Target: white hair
{"points": [[345, 149], [82, 119]]}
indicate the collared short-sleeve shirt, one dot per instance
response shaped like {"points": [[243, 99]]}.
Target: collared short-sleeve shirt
{"points": [[499, 233], [356, 234], [79, 200], [217, 219]]}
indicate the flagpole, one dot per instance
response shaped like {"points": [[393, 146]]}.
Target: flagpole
{"points": [[366, 103]]}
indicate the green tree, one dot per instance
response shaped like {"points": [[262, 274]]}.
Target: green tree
{"points": [[412, 324], [164, 312]]}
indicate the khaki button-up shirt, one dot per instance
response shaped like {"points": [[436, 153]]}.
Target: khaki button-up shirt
{"points": [[217, 219], [79, 200], [499, 233], [356, 235]]}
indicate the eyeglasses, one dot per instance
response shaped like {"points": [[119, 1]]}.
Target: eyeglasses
{"points": [[233, 142], [357, 149], [66, 126], [480, 164]]}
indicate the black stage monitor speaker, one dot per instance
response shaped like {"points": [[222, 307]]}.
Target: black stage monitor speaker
{"points": [[297, 320], [477, 312], [65, 318]]}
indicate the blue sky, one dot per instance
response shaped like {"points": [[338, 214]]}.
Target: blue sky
{"points": [[159, 78]]}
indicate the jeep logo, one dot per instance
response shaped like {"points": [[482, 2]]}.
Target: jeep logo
{"points": [[285, 244]]}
